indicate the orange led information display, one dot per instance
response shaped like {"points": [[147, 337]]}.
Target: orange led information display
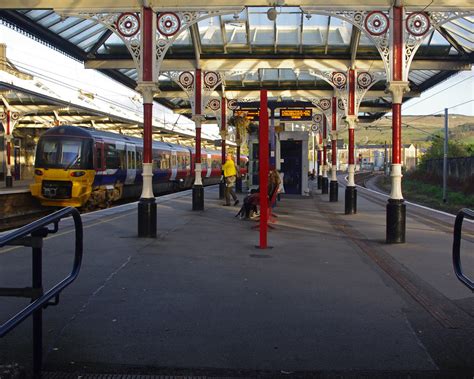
{"points": [[296, 114]]}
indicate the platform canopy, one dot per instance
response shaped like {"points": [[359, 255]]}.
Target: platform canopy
{"points": [[253, 51]]}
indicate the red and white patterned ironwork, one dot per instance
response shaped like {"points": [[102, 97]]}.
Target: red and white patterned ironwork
{"points": [[168, 24], [128, 24]]}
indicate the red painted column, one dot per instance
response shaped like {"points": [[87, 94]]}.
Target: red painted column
{"points": [[147, 204], [197, 112], [396, 209], [147, 52], [263, 168], [397, 72], [396, 133], [334, 140], [198, 189], [223, 143], [8, 137], [223, 128], [8, 141], [351, 113], [325, 159]]}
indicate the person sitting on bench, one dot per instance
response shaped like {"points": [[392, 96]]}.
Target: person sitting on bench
{"points": [[253, 200]]}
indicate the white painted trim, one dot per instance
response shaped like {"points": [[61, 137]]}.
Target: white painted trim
{"points": [[351, 171], [396, 175], [197, 175], [147, 189]]}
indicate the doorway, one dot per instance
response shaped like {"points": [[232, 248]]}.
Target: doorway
{"points": [[291, 165]]}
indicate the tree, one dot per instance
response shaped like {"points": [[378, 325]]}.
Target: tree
{"points": [[455, 149]]}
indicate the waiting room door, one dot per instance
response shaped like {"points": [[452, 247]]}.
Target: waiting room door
{"points": [[291, 165]]}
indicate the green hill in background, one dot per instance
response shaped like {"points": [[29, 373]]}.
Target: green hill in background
{"points": [[416, 130]]}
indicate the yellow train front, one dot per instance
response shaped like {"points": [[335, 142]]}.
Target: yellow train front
{"points": [[64, 167]]}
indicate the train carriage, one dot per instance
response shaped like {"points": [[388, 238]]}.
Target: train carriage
{"points": [[89, 168]]}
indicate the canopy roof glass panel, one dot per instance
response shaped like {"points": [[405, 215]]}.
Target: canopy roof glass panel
{"points": [[271, 46]]}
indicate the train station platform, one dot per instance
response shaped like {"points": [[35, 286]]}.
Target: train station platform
{"points": [[329, 299]]}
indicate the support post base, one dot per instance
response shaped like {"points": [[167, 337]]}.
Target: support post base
{"points": [[147, 218], [350, 205], [9, 181], [325, 185], [333, 191], [238, 185], [221, 190], [320, 181], [198, 198], [396, 221]]}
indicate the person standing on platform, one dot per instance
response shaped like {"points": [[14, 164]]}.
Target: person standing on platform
{"points": [[230, 177]]}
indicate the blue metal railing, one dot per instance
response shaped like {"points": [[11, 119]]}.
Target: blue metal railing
{"points": [[468, 213], [32, 236]]}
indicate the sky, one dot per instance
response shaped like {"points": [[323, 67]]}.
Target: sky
{"points": [[33, 56]]}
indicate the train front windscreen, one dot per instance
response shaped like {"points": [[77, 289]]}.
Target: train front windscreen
{"points": [[65, 153]]}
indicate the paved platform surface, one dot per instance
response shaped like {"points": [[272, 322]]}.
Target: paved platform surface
{"points": [[330, 297]]}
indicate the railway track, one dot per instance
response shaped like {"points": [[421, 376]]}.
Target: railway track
{"points": [[418, 212]]}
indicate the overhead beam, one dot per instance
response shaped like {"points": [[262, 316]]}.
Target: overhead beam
{"points": [[196, 44], [355, 39], [254, 64], [294, 94], [135, 5]]}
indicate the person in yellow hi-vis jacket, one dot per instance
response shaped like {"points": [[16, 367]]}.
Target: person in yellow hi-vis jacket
{"points": [[230, 176]]}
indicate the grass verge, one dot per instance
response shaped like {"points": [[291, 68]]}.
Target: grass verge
{"points": [[430, 195]]}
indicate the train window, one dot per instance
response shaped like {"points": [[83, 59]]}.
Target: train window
{"points": [[98, 157], [139, 160], [112, 156], [164, 161], [188, 162], [173, 161]]}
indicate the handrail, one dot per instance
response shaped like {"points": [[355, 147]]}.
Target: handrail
{"points": [[469, 213], [39, 230]]}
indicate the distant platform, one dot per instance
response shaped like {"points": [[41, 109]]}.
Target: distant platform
{"points": [[19, 186]]}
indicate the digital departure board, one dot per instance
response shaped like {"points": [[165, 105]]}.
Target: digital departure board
{"points": [[252, 114], [296, 114]]}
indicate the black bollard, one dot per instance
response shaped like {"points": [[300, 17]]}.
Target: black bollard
{"points": [[333, 191], [325, 185], [221, 190], [320, 181], [198, 197], [9, 181], [238, 185], [147, 218], [351, 201], [396, 221]]}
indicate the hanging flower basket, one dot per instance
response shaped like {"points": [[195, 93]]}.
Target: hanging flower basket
{"points": [[241, 124]]}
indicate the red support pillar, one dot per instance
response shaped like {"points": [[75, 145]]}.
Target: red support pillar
{"points": [[325, 180], [263, 162], [396, 209], [223, 144], [333, 185], [8, 137], [147, 204], [198, 189], [351, 192]]}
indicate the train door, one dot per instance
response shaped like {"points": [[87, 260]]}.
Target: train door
{"points": [[131, 164], [209, 165], [174, 165]]}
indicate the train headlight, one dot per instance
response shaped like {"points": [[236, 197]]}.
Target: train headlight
{"points": [[38, 172], [77, 174]]}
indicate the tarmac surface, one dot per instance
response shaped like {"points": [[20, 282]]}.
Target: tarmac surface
{"points": [[329, 298]]}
